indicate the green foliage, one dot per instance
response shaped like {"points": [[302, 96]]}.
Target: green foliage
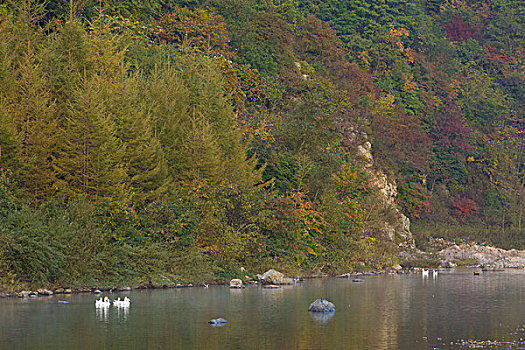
{"points": [[190, 138]]}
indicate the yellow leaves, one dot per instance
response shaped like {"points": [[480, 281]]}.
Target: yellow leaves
{"points": [[385, 105], [262, 133], [423, 178], [398, 31], [410, 84], [453, 4], [364, 57], [311, 252], [470, 159]]}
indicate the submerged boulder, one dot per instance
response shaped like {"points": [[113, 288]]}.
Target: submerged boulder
{"points": [[218, 321], [321, 305]]}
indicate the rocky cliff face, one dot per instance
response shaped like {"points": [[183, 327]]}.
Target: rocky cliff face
{"points": [[397, 230]]}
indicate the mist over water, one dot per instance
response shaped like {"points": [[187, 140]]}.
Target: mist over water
{"points": [[384, 312]]}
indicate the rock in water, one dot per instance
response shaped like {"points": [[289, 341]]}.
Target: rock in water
{"points": [[275, 277], [271, 286], [43, 291], [321, 305], [236, 283], [218, 321]]}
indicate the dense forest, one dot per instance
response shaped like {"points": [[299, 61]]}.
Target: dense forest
{"points": [[191, 140]]}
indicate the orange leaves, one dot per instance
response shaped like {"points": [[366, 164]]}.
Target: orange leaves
{"points": [[396, 35]]}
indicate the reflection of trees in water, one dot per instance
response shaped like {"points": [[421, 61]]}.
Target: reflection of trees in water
{"points": [[384, 312]]}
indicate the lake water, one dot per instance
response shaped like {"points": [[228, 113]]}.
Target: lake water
{"points": [[384, 312]]}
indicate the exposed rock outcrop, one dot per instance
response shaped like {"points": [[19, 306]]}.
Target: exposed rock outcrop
{"points": [[490, 258], [399, 230]]}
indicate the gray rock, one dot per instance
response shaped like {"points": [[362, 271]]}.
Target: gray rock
{"points": [[321, 305], [68, 291], [397, 267], [124, 289], [59, 291], [271, 286], [23, 294], [275, 277], [43, 291], [485, 255], [236, 283]]}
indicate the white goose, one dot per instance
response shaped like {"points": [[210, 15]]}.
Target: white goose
{"points": [[434, 273], [122, 303], [424, 273], [102, 302]]}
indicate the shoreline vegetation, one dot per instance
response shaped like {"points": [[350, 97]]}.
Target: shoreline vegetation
{"points": [[451, 255], [145, 141]]}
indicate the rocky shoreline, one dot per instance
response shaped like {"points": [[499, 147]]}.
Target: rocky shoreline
{"points": [[452, 255], [486, 256], [270, 279]]}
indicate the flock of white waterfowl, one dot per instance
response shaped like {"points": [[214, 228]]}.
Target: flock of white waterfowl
{"points": [[426, 273], [102, 303]]}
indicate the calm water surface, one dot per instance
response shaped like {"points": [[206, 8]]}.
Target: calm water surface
{"points": [[384, 312]]}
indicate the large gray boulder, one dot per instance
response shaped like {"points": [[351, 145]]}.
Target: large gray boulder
{"points": [[236, 283], [275, 277], [321, 305]]}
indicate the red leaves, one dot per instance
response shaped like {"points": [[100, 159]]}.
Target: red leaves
{"points": [[451, 129], [463, 206], [459, 30], [500, 57]]}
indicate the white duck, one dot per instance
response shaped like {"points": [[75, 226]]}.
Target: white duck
{"points": [[102, 302], [424, 273], [434, 273]]}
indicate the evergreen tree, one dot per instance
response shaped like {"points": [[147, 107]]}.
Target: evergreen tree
{"points": [[28, 105], [89, 162]]}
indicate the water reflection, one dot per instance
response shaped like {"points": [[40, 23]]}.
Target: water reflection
{"points": [[322, 317], [122, 313], [102, 314], [384, 312]]}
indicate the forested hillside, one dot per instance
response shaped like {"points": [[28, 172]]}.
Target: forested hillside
{"points": [[189, 139]]}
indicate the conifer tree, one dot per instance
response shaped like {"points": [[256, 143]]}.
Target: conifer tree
{"points": [[143, 156], [28, 105], [89, 162]]}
